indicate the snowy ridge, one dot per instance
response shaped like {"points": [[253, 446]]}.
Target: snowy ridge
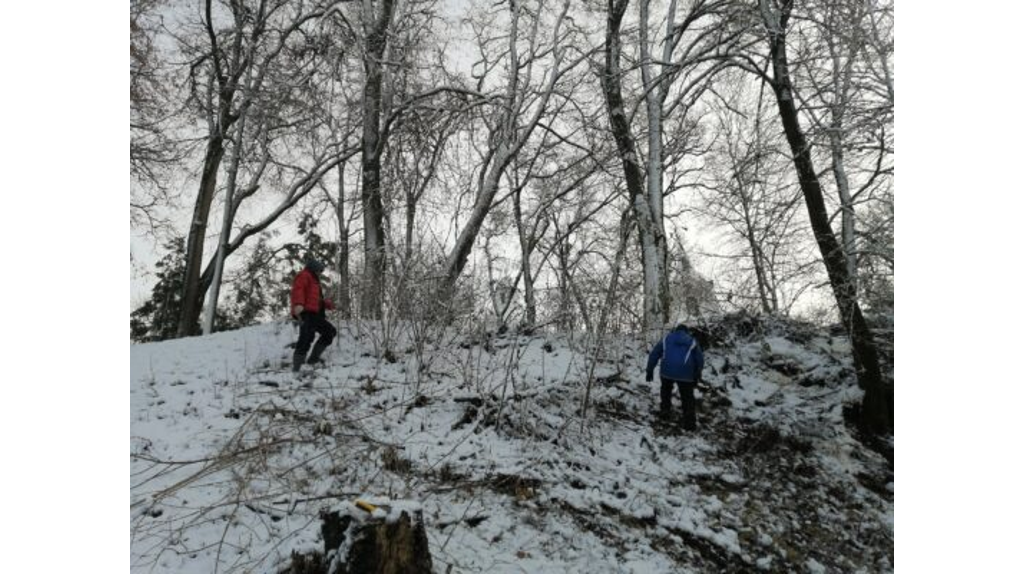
{"points": [[233, 457]]}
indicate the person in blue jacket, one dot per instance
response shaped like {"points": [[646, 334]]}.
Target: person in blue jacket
{"points": [[682, 363]]}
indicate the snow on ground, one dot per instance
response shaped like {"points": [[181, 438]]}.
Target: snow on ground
{"points": [[233, 457]]}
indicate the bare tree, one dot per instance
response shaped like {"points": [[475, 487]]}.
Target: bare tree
{"points": [[655, 305], [416, 156], [555, 172], [753, 204], [395, 35], [296, 139], [376, 22], [702, 38], [881, 43], [845, 108], [876, 408], [343, 109], [154, 151], [343, 291], [250, 44], [508, 132], [529, 232]]}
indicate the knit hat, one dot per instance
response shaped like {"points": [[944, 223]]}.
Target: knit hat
{"points": [[314, 265]]}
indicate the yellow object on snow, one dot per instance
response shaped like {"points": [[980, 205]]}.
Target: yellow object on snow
{"points": [[366, 506]]}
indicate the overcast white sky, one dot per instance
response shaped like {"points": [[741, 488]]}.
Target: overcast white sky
{"points": [[959, 233], [462, 53]]}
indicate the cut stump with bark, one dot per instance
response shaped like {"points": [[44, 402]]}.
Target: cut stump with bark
{"points": [[391, 539]]}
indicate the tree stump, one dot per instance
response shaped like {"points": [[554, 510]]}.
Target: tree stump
{"points": [[391, 539]]}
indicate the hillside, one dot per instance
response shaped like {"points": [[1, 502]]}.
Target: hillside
{"points": [[233, 457]]}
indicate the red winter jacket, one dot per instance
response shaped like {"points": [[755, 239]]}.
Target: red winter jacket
{"points": [[306, 292]]}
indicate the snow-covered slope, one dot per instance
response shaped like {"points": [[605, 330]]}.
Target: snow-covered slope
{"points": [[233, 457]]}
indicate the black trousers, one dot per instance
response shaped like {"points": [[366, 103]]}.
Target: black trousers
{"points": [[313, 323], [686, 389]]}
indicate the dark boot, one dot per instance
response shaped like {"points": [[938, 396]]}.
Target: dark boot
{"points": [[318, 349], [297, 360]]}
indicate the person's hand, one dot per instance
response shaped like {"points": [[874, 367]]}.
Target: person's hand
{"points": [[297, 310]]}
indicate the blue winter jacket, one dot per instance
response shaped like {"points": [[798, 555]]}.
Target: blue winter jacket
{"points": [[681, 357]]}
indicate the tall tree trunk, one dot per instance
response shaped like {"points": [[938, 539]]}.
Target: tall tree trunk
{"points": [[757, 257], [225, 231], [188, 324], [373, 244], [654, 113], [373, 145], [406, 302], [655, 314], [237, 152], [655, 92], [526, 244], [410, 226], [481, 207], [220, 121], [846, 202], [344, 281], [565, 319], [876, 408]]}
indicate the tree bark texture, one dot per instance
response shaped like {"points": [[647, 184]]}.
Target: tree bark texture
{"points": [[374, 261], [192, 298], [374, 546], [655, 310], [527, 243], [877, 408]]}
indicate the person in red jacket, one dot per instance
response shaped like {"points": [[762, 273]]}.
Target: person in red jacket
{"points": [[310, 307]]}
